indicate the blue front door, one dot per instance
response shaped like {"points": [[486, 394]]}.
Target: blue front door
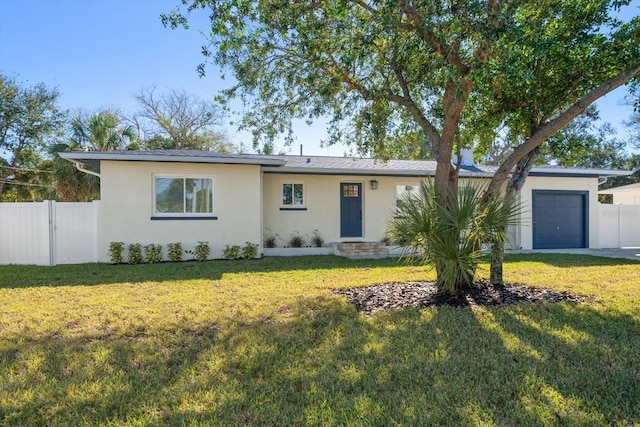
{"points": [[350, 209]]}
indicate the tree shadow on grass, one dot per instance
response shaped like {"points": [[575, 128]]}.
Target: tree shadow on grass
{"points": [[320, 363], [21, 276]]}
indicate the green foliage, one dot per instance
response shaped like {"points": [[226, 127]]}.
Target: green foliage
{"points": [[153, 253], [135, 253], [316, 239], [115, 252], [174, 252], [30, 121], [296, 240], [249, 250], [231, 252], [202, 251], [452, 238]]}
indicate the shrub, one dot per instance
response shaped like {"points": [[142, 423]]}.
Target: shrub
{"points": [[135, 253], [174, 252], [296, 240], [115, 252], [316, 239], [249, 251], [269, 239], [451, 237], [202, 251], [231, 252], [153, 253]]}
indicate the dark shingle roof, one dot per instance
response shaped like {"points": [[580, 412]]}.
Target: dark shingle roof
{"points": [[313, 164]]}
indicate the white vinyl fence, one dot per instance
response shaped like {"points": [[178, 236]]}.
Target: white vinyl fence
{"points": [[619, 226], [48, 233]]}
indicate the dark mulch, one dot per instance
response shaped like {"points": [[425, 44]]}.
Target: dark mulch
{"points": [[425, 294]]}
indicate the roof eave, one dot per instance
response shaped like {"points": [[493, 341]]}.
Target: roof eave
{"points": [[140, 157]]}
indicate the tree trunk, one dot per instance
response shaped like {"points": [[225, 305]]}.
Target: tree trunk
{"points": [[516, 183]]}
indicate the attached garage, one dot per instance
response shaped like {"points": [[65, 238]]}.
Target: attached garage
{"points": [[560, 219]]}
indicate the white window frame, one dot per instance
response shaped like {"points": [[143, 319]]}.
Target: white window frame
{"points": [[293, 205], [183, 214]]}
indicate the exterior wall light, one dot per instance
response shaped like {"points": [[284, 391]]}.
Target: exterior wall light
{"points": [[374, 184]]}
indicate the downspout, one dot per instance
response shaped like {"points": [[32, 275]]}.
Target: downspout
{"points": [[602, 180], [82, 169]]}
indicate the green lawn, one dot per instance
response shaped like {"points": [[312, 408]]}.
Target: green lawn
{"points": [[265, 342]]}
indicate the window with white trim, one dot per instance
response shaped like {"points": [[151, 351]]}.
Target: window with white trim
{"points": [[292, 195], [183, 196]]}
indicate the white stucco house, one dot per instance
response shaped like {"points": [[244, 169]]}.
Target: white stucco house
{"points": [[624, 195], [189, 196]]}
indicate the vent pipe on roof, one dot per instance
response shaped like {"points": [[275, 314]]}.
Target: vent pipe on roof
{"points": [[300, 150]]}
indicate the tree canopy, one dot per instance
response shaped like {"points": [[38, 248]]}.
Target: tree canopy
{"points": [[179, 120], [30, 120], [386, 71]]}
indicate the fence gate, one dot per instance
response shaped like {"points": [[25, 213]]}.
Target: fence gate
{"points": [[48, 233]]}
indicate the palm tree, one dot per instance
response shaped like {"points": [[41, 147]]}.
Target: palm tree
{"points": [[452, 238], [102, 132]]}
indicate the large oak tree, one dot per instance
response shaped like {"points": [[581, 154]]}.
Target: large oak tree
{"points": [[387, 70]]}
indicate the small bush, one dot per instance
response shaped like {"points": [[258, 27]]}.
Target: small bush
{"points": [[202, 251], [296, 240], [316, 239], [269, 239], [231, 252], [153, 253], [115, 252], [174, 252], [249, 251], [135, 253]]}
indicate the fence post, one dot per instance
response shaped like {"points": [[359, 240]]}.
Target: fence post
{"points": [[95, 209], [51, 213]]}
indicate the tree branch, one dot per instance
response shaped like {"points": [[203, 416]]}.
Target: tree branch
{"points": [[548, 129]]}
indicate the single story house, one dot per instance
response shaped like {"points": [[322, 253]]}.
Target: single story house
{"points": [[624, 195], [188, 196]]}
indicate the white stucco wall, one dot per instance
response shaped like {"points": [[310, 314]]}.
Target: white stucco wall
{"points": [[126, 206], [525, 233], [627, 197], [322, 201]]}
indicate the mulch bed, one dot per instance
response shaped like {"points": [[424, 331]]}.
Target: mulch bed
{"points": [[425, 294]]}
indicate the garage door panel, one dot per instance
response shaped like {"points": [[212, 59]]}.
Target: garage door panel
{"points": [[559, 219]]}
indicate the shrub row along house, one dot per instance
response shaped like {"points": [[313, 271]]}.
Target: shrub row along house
{"points": [[189, 196]]}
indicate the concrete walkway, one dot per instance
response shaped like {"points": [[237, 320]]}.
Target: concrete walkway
{"points": [[626, 253]]}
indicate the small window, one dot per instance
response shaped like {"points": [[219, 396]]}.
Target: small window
{"points": [[292, 194], [350, 190], [183, 196]]}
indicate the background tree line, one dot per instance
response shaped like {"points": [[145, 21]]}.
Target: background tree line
{"points": [[33, 129]]}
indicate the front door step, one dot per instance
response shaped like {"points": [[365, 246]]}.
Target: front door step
{"points": [[362, 250]]}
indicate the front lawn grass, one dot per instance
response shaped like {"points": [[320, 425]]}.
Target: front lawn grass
{"points": [[265, 342]]}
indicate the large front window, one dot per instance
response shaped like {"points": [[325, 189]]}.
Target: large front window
{"points": [[183, 196]]}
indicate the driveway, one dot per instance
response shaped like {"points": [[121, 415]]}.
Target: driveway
{"points": [[626, 253]]}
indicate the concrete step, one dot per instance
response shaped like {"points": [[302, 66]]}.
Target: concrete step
{"points": [[362, 250]]}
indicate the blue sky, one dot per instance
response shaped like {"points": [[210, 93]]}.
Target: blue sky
{"points": [[100, 52]]}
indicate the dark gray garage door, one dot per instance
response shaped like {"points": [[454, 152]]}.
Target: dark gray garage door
{"points": [[560, 219]]}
